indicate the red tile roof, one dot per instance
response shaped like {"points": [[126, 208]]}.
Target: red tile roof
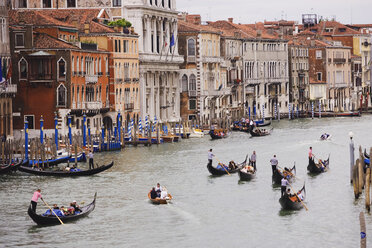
{"points": [[95, 27], [34, 17], [338, 29], [45, 41], [189, 27]]}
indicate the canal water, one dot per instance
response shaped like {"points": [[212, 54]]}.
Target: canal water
{"points": [[206, 211]]}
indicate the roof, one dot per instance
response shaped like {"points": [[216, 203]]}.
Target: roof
{"points": [[189, 27], [338, 29], [34, 17], [96, 27], [229, 29], [45, 41]]}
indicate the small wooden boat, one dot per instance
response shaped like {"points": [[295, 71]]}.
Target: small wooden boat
{"points": [[219, 172], [317, 168], [246, 175], [292, 202], [325, 136], [53, 220], [279, 174], [258, 132], [61, 173], [159, 201], [218, 134], [197, 133], [51, 162], [11, 166]]}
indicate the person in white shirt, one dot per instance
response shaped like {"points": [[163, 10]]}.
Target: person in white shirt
{"points": [[210, 156], [284, 184], [158, 189], [164, 194]]}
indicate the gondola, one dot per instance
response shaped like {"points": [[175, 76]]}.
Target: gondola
{"points": [[218, 136], [262, 132], [11, 167], [278, 175], [318, 168], [292, 202], [246, 176], [52, 220], [51, 162], [158, 201], [219, 172], [56, 173], [263, 124]]}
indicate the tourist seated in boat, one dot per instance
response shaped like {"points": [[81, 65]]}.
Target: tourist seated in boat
{"points": [[287, 173], [300, 196], [221, 166], [158, 189], [248, 168], [64, 210], [75, 206], [324, 136], [74, 169], [56, 211], [232, 165], [153, 193], [164, 194]]}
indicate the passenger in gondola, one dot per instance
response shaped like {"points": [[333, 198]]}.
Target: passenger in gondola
{"points": [[232, 165], [55, 206], [75, 206], [64, 211], [284, 184], [153, 193], [164, 193], [300, 196], [158, 189]]}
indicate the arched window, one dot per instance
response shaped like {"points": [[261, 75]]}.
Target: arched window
{"points": [[61, 69], [192, 83], [169, 4], [191, 47], [184, 83], [23, 69], [72, 64], [82, 65], [99, 66], [150, 2], [77, 65], [61, 96], [162, 3]]}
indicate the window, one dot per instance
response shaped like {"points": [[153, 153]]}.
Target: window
{"points": [[47, 3], [22, 69], [71, 4], [61, 68], [192, 85], [192, 104], [116, 46], [318, 54], [73, 64], [20, 42], [169, 3], [116, 3], [125, 46], [77, 64], [191, 47], [31, 121], [22, 4], [319, 76], [61, 96]]}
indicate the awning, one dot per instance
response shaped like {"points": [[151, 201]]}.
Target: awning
{"points": [[40, 53]]}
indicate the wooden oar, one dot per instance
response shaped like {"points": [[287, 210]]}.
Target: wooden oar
{"points": [[53, 212], [223, 167], [298, 197]]}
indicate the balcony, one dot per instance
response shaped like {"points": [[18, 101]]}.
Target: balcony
{"points": [[91, 79], [192, 93], [211, 59], [191, 59], [127, 80], [339, 61], [41, 77], [8, 89], [129, 106], [93, 105], [135, 79], [100, 74], [118, 80]]}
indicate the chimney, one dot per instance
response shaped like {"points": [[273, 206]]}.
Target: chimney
{"points": [[231, 20], [86, 28], [259, 33], [312, 43]]}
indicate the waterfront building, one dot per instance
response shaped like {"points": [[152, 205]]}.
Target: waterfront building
{"points": [[7, 88], [57, 77], [203, 74]]}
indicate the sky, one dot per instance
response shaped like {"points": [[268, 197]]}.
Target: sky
{"points": [[248, 11]]}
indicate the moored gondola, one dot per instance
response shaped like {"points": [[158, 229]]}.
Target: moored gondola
{"points": [[158, 201], [247, 174], [263, 124], [11, 166], [53, 220], [280, 173], [292, 202], [75, 173], [50, 162], [316, 168], [220, 171]]}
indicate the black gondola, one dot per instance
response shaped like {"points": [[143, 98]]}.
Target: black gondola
{"points": [[278, 175], [246, 176], [215, 135], [264, 124], [292, 202], [12, 167], [366, 154], [219, 172], [259, 132], [53, 220], [318, 168], [50, 162], [65, 173]]}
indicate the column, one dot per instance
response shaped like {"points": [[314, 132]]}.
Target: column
{"points": [[176, 37], [161, 36], [168, 35], [154, 33], [148, 34]]}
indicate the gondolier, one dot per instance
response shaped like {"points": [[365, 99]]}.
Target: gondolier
{"points": [[91, 164], [210, 156], [274, 163], [35, 198], [253, 160], [284, 185]]}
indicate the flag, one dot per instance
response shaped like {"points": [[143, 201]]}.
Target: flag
{"points": [[172, 40], [219, 88], [9, 74]]}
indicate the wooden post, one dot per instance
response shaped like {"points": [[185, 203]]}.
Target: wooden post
{"points": [[360, 177], [363, 236], [368, 182], [75, 153], [355, 179], [135, 135], [184, 130], [157, 133]]}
